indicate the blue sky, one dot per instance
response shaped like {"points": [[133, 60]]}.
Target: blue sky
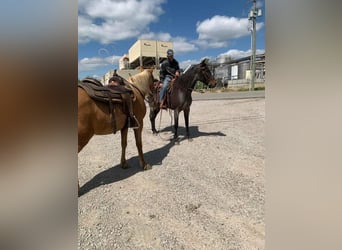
{"points": [[198, 29]]}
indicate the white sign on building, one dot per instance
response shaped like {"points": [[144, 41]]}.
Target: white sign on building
{"points": [[234, 75]]}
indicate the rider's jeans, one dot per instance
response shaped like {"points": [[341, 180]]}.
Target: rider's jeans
{"points": [[164, 87]]}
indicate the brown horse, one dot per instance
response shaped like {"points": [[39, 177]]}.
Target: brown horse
{"points": [[94, 117]]}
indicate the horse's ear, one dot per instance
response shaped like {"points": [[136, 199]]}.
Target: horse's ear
{"points": [[204, 61]]}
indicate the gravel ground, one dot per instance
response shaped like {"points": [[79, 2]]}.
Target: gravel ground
{"points": [[208, 193]]}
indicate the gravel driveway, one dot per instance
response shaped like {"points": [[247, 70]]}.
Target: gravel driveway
{"points": [[208, 193]]}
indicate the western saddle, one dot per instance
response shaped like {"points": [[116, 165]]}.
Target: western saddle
{"points": [[121, 93]]}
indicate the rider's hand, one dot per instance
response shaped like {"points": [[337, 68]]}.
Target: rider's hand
{"points": [[177, 73]]}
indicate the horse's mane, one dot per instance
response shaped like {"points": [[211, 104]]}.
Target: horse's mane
{"points": [[187, 77], [190, 67], [187, 74], [142, 81]]}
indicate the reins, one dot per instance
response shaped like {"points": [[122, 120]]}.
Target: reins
{"points": [[160, 118]]}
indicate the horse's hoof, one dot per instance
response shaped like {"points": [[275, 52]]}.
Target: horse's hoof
{"points": [[147, 167], [190, 139], [176, 141], [125, 165]]}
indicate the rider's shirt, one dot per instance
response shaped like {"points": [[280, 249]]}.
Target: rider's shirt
{"points": [[168, 67]]}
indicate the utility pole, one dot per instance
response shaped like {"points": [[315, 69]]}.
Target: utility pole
{"points": [[254, 12]]}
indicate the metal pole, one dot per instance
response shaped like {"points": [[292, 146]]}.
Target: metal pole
{"points": [[253, 44], [250, 61]]}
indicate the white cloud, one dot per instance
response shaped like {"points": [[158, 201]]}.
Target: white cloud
{"points": [[156, 36], [211, 44], [235, 54], [181, 45], [89, 64], [112, 20], [186, 63], [215, 32]]}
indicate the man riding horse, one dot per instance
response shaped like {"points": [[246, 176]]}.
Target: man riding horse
{"points": [[168, 69]]}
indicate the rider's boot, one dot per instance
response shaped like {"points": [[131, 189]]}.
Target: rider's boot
{"points": [[162, 106]]}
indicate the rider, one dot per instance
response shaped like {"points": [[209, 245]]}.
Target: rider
{"points": [[168, 69], [120, 83]]}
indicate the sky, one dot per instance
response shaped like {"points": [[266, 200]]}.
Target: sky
{"points": [[198, 29]]}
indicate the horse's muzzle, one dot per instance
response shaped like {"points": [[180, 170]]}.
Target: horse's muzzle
{"points": [[212, 83]]}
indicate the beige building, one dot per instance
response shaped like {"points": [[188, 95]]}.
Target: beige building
{"points": [[142, 53], [148, 52]]}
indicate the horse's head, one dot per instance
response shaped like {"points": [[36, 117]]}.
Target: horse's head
{"points": [[205, 75]]}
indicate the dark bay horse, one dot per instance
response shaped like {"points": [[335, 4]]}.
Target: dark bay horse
{"points": [[94, 117], [178, 97]]}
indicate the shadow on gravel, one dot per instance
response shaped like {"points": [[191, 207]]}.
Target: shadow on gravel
{"points": [[108, 176], [117, 173], [153, 157], [156, 157], [193, 130]]}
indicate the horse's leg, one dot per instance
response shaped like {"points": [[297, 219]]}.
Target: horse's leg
{"points": [[138, 143], [123, 161], [176, 114], [83, 139], [153, 114], [186, 119]]}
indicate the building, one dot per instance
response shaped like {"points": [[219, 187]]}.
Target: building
{"points": [[148, 52], [124, 62], [143, 53], [237, 71]]}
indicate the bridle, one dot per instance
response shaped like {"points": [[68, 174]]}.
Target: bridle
{"points": [[206, 75], [200, 71]]}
